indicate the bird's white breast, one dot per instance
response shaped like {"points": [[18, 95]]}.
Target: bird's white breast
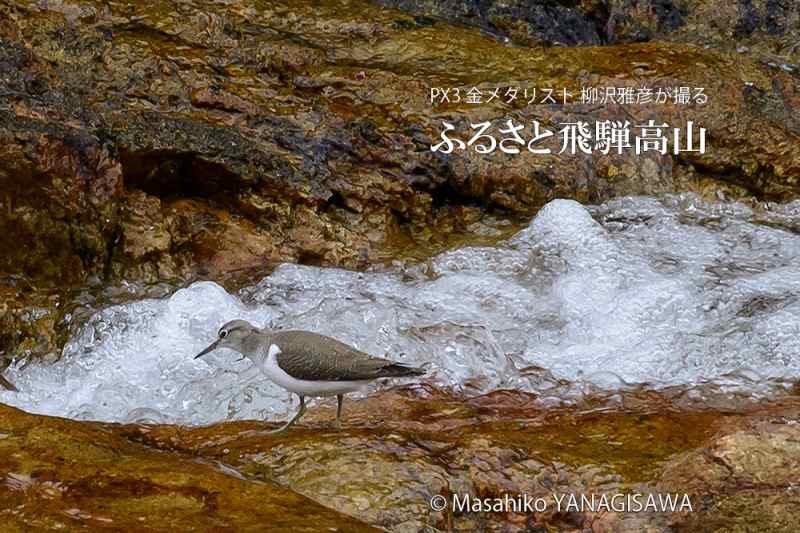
{"points": [[301, 386]]}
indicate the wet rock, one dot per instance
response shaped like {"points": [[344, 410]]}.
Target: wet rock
{"points": [[58, 204], [745, 475], [763, 24], [544, 23], [398, 450], [32, 324], [214, 98], [143, 227], [60, 474]]}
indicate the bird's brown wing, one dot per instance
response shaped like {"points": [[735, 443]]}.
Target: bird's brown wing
{"points": [[314, 357]]}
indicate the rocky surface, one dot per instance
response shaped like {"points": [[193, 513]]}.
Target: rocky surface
{"points": [[147, 141], [61, 475], [396, 451], [768, 26]]}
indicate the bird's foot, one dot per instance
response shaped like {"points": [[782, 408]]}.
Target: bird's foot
{"points": [[279, 430], [255, 433]]}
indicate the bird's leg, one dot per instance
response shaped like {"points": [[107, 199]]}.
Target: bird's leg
{"points": [[290, 423], [339, 401]]}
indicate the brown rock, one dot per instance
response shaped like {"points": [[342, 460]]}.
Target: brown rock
{"points": [[215, 98], [744, 479], [60, 474], [400, 448]]}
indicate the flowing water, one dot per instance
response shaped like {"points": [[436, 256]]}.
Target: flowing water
{"points": [[648, 291]]}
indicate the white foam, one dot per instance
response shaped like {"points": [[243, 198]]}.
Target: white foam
{"points": [[639, 290]]}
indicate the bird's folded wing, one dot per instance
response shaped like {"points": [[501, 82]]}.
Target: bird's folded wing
{"points": [[314, 357]]}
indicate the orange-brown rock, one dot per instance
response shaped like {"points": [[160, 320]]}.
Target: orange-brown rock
{"points": [[310, 124], [63, 475], [398, 449]]}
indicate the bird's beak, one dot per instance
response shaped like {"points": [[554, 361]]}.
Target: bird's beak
{"points": [[211, 348]]}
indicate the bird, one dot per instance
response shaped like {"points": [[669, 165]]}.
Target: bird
{"points": [[7, 384], [307, 363]]}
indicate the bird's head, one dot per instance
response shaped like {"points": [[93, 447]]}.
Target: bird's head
{"points": [[232, 335]]}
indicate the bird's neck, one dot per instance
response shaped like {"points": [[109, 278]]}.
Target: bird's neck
{"points": [[255, 347]]}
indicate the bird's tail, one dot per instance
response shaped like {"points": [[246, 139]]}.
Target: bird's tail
{"points": [[399, 370]]}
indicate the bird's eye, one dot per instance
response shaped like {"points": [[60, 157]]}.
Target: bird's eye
{"points": [[222, 333]]}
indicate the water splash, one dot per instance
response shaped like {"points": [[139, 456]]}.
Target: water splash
{"points": [[637, 291]]}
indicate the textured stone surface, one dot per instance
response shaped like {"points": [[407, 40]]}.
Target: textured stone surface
{"points": [[746, 479], [769, 26], [301, 132], [398, 449], [63, 475]]}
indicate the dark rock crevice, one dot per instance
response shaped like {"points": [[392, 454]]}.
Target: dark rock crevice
{"points": [[608, 22], [756, 182], [777, 12], [749, 19], [546, 22], [449, 195], [557, 22], [168, 174]]}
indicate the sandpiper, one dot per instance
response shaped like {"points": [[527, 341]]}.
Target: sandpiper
{"points": [[306, 363]]}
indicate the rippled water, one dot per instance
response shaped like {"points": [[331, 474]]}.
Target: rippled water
{"points": [[669, 291]]}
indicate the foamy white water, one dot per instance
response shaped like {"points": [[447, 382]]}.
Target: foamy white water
{"points": [[640, 290]]}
